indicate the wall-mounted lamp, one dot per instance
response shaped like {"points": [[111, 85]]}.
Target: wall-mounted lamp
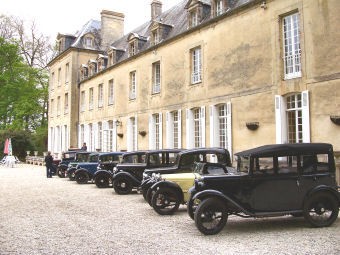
{"points": [[252, 125], [263, 5], [335, 119]]}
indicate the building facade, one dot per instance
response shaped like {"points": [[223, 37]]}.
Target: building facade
{"points": [[214, 73]]}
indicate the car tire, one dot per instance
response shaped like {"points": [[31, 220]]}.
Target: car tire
{"points": [[145, 192], [149, 196], [122, 186], [211, 216], [192, 207], [61, 173], [102, 181], [321, 209], [81, 178], [165, 201]]}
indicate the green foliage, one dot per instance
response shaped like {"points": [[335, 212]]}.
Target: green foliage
{"points": [[21, 142]]}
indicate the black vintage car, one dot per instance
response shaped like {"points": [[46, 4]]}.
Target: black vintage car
{"points": [[185, 162], [83, 158], [68, 157], [129, 174], [272, 180]]}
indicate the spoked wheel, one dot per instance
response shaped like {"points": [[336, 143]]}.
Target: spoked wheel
{"points": [[102, 181], [321, 210], [122, 186], [211, 216], [165, 201], [192, 206], [82, 178]]}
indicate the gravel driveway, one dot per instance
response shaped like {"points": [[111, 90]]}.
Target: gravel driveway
{"points": [[57, 216]]}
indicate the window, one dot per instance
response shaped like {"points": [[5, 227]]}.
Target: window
{"points": [[155, 36], [52, 107], [219, 7], [52, 81], [100, 135], [133, 85], [156, 78], [82, 133], [132, 134], [193, 18], [173, 129], [291, 46], [110, 136], [82, 101], [58, 106], [88, 41], [67, 73], [111, 93], [91, 99], [100, 95], [294, 118], [91, 147], [132, 48], [197, 128], [66, 103], [264, 165], [287, 165], [155, 130], [196, 65], [59, 76], [112, 57], [83, 72], [222, 121]]}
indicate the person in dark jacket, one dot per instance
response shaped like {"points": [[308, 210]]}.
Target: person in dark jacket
{"points": [[84, 147], [49, 164]]}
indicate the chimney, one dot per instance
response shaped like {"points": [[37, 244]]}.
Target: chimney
{"points": [[156, 9], [112, 27]]}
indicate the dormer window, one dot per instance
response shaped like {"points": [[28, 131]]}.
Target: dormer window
{"points": [[218, 7], [111, 57], [155, 37], [133, 48], [88, 41], [197, 11], [92, 67], [101, 62], [83, 72], [193, 18]]}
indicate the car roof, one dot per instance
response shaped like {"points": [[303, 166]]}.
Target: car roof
{"points": [[287, 149], [206, 150]]}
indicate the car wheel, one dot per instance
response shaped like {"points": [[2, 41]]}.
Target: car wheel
{"points": [[149, 196], [102, 182], [211, 216], [145, 192], [192, 206], [82, 178], [165, 201], [61, 173], [321, 210], [122, 186]]}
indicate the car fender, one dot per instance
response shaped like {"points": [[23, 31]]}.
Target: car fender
{"points": [[146, 184], [169, 184], [323, 188], [105, 173], [83, 170], [215, 193], [134, 180]]}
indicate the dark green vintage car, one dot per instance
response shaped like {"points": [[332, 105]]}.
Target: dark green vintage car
{"points": [[271, 180]]}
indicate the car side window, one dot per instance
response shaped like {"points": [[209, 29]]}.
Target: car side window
{"points": [[309, 163], [322, 163], [264, 166], [287, 165]]}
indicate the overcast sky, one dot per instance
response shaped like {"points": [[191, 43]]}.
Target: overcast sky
{"points": [[68, 16]]}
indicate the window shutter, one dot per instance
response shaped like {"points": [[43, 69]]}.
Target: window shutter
{"points": [[189, 129], [129, 135], [86, 136], [136, 133], [213, 126], [114, 136], [280, 120], [151, 133], [179, 128], [305, 117], [95, 136], [202, 123], [229, 130], [160, 131], [169, 130]]}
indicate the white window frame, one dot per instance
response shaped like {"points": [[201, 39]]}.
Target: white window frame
{"points": [[219, 7], [58, 105], [82, 101], [91, 98], [111, 92], [100, 95], [195, 138], [66, 104], [133, 85], [132, 139], [67, 73], [282, 121], [196, 65], [291, 46], [156, 77], [156, 132]]}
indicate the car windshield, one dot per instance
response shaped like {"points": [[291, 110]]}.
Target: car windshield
{"points": [[82, 157], [94, 158], [243, 164]]}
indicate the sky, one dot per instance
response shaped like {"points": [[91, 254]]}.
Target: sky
{"points": [[68, 16]]}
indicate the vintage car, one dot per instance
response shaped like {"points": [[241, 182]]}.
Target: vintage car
{"points": [[271, 180], [128, 175], [85, 171], [185, 163], [68, 157], [171, 190], [74, 166]]}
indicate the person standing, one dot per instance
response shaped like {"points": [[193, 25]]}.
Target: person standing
{"points": [[84, 147], [48, 163]]}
